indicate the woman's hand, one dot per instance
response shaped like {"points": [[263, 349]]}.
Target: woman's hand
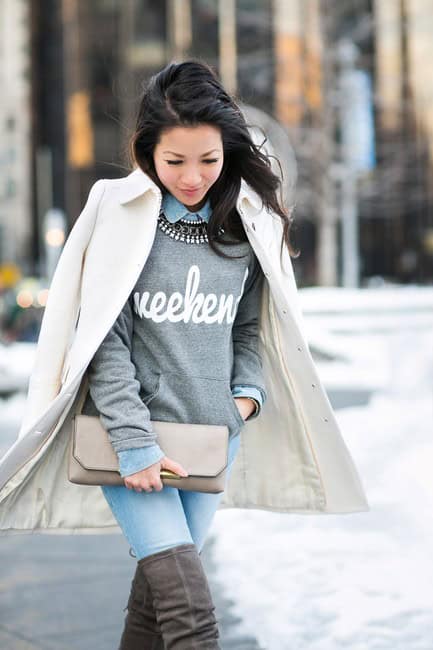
{"points": [[149, 479], [245, 405]]}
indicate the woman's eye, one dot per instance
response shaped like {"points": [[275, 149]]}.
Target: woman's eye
{"points": [[208, 161]]}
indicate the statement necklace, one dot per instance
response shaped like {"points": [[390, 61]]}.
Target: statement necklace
{"points": [[190, 231]]}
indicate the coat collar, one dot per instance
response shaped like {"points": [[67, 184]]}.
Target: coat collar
{"points": [[138, 182]]}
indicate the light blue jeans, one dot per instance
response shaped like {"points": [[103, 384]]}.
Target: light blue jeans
{"points": [[154, 521]]}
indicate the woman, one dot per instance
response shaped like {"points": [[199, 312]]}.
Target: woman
{"points": [[167, 329], [186, 336]]}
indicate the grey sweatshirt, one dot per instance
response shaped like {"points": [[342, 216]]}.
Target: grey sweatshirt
{"points": [[185, 338]]}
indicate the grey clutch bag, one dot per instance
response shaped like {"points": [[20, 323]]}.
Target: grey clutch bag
{"points": [[202, 449]]}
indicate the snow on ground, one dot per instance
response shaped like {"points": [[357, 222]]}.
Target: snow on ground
{"points": [[362, 581]]}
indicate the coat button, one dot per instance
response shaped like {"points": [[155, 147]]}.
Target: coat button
{"points": [[252, 223]]}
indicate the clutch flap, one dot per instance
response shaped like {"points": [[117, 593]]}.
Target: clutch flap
{"points": [[201, 448]]}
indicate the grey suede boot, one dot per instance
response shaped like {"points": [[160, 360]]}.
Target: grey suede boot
{"points": [[141, 631], [181, 597]]}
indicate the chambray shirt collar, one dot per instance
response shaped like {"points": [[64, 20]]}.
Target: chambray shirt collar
{"points": [[175, 210]]}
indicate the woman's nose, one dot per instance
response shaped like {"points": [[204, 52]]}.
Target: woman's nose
{"points": [[191, 179]]}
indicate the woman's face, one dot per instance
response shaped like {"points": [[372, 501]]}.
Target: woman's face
{"points": [[189, 158]]}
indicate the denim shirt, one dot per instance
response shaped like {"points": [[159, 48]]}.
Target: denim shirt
{"points": [[136, 459]]}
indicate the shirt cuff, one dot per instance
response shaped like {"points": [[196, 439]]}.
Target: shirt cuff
{"points": [[243, 390], [138, 458]]}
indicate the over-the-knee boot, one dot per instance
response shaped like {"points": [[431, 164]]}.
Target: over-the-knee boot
{"points": [[182, 599], [141, 630]]}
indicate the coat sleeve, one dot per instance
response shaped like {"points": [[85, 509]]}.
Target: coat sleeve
{"points": [[247, 363], [60, 312]]}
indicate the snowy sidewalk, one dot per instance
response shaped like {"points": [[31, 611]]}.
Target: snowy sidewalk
{"points": [[363, 580]]}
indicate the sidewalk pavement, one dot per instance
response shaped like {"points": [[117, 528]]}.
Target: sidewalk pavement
{"points": [[68, 592]]}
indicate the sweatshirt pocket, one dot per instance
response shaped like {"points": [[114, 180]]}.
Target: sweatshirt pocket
{"points": [[236, 411], [180, 397]]}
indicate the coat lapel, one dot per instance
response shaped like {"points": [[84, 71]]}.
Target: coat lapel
{"points": [[114, 259]]}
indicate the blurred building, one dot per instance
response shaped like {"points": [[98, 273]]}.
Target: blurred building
{"points": [[284, 60], [15, 128], [401, 191]]}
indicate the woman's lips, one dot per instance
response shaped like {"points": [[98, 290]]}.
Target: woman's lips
{"points": [[191, 192]]}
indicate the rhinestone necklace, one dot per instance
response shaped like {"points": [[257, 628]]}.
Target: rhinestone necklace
{"points": [[190, 231]]}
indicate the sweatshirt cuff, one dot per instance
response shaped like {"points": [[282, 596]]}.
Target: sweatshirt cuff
{"points": [[138, 458]]}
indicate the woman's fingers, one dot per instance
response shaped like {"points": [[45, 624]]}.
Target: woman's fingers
{"points": [[149, 479], [172, 465]]}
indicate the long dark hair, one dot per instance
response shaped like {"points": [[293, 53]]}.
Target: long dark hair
{"points": [[189, 94]]}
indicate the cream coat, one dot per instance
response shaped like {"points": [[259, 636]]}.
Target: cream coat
{"points": [[292, 457]]}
